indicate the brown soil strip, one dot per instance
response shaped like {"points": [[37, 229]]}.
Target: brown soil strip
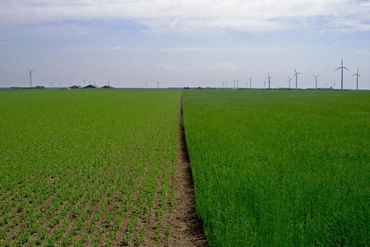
{"points": [[186, 229]]}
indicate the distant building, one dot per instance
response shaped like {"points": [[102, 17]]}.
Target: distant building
{"points": [[90, 86], [107, 87], [75, 87]]}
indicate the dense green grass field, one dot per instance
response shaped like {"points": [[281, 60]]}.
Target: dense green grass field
{"points": [[86, 167], [281, 168]]}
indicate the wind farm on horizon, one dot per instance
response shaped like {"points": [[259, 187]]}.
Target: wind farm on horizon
{"points": [[268, 83]]}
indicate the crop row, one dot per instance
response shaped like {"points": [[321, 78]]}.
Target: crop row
{"points": [[86, 168]]}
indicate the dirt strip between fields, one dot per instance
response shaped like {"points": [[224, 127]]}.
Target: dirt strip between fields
{"points": [[186, 227]]}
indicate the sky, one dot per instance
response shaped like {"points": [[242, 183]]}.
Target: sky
{"points": [[137, 43]]}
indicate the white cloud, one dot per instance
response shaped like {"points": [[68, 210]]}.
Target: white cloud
{"points": [[351, 25], [193, 15]]}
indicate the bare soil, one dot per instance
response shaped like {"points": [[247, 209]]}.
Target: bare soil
{"points": [[186, 229]]}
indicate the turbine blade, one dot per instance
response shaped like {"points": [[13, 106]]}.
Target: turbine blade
{"points": [[345, 68], [338, 68]]}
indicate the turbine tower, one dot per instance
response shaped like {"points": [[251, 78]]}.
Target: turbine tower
{"points": [[289, 80], [357, 76], [30, 71], [269, 80], [316, 76], [250, 81], [341, 75], [237, 83], [296, 77]]}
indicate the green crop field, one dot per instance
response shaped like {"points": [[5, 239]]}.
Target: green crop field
{"points": [[86, 167], [281, 168], [107, 168]]}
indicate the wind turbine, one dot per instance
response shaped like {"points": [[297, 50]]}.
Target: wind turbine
{"points": [[341, 78], [316, 76], [250, 81], [237, 84], [296, 77], [289, 80], [30, 71], [357, 76], [269, 80]]}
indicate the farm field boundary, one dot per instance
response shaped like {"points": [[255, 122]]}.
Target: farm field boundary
{"points": [[186, 225]]}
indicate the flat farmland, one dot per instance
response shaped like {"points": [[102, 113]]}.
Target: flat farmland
{"points": [[111, 168], [87, 167], [281, 168]]}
